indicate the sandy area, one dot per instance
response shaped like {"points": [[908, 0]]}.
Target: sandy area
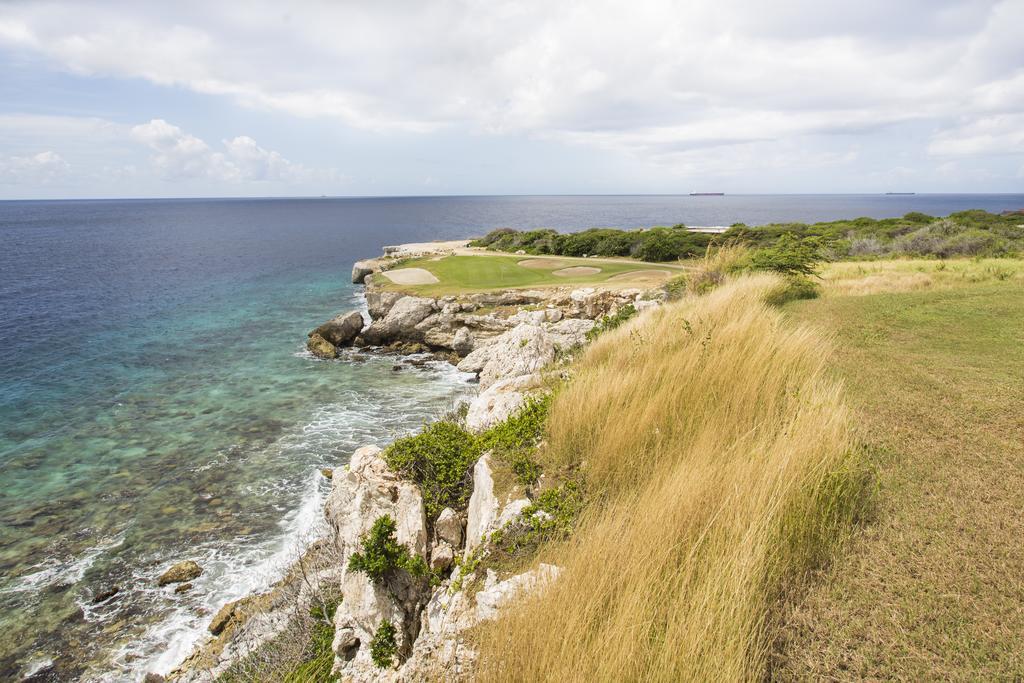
{"points": [[410, 276], [577, 271], [643, 276], [544, 263]]}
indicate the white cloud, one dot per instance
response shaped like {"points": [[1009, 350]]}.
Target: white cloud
{"points": [[989, 135], [581, 67], [41, 168], [666, 82], [180, 155]]}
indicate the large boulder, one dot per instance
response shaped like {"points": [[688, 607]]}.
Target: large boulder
{"points": [[401, 321], [341, 329], [520, 351], [180, 572], [499, 401], [378, 303], [320, 347]]}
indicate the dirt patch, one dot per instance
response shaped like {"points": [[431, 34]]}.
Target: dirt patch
{"points": [[642, 276], [577, 271], [410, 276], [544, 263]]}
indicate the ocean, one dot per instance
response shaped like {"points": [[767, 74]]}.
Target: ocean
{"points": [[157, 403]]}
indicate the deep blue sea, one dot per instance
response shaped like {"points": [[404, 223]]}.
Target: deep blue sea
{"points": [[157, 404]]}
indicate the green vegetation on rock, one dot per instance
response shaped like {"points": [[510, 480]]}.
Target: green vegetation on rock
{"points": [[382, 553], [439, 460], [383, 647]]}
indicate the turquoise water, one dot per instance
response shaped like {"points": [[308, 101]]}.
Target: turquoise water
{"points": [[206, 443], [157, 404]]}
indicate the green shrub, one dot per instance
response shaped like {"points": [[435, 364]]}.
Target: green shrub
{"points": [[552, 516], [520, 430], [527, 471], [790, 255], [439, 460], [793, 288], [382, 553], [610, 322], [383, 646], [676, 287]]}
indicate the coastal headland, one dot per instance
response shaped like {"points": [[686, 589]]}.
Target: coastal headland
{"points": [[512, 539]]}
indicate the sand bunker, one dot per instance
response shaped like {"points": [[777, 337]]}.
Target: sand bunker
{"points": [[642, 276], [577, 271], [544, 263], [410, 276]]}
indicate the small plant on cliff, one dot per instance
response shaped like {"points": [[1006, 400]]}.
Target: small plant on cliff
{"points": [[382, 553], [383, 647], [610, 322], [439, 460]]}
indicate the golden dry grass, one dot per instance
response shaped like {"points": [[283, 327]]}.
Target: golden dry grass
{"points": [[913, 275], [716, 458]]}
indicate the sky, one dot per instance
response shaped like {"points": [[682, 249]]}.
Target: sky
{"points": [[176, 99]]}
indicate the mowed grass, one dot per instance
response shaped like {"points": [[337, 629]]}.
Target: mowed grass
{"points": [[461, 273], [933, 589], [715, 455]]}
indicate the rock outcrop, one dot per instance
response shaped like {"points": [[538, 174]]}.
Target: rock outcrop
{"points": [[320, 347], [180, 573], [342, 329], [360, 269]]}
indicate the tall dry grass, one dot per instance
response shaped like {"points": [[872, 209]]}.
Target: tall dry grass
{"points": [[717, 462]]}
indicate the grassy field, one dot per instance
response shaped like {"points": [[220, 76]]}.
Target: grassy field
{"points": [[462, 273], [933, 589], [716, 458]]}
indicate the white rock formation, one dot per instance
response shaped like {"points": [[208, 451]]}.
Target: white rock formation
{"points": [[497, 594], [500, 400], [520, 351], [483, 505], [368, 490]]}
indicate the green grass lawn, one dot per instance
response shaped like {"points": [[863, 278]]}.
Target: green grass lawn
{"points": [[933, 588], [460, 273]]}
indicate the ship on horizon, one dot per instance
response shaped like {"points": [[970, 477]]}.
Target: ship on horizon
{"points": [[707, 194]]}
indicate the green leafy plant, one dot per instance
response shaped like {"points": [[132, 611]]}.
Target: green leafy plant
{"points": [[610, 322], [790, 255], [383, 646], [793, 288], [527, 471], [382, 553], [439, 460]]}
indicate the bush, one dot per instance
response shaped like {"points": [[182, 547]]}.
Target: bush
{"points": [[560, 509], [439, 460], [610, 322], [527, 471], [790, 255], [521, 430], [383, 647], [382, 553], [791, 289]]}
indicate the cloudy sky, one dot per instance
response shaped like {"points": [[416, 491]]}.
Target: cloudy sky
{"points": [[111, 99]]}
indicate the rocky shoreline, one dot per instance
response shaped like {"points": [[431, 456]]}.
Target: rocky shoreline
{"points": [[507, 339]]}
